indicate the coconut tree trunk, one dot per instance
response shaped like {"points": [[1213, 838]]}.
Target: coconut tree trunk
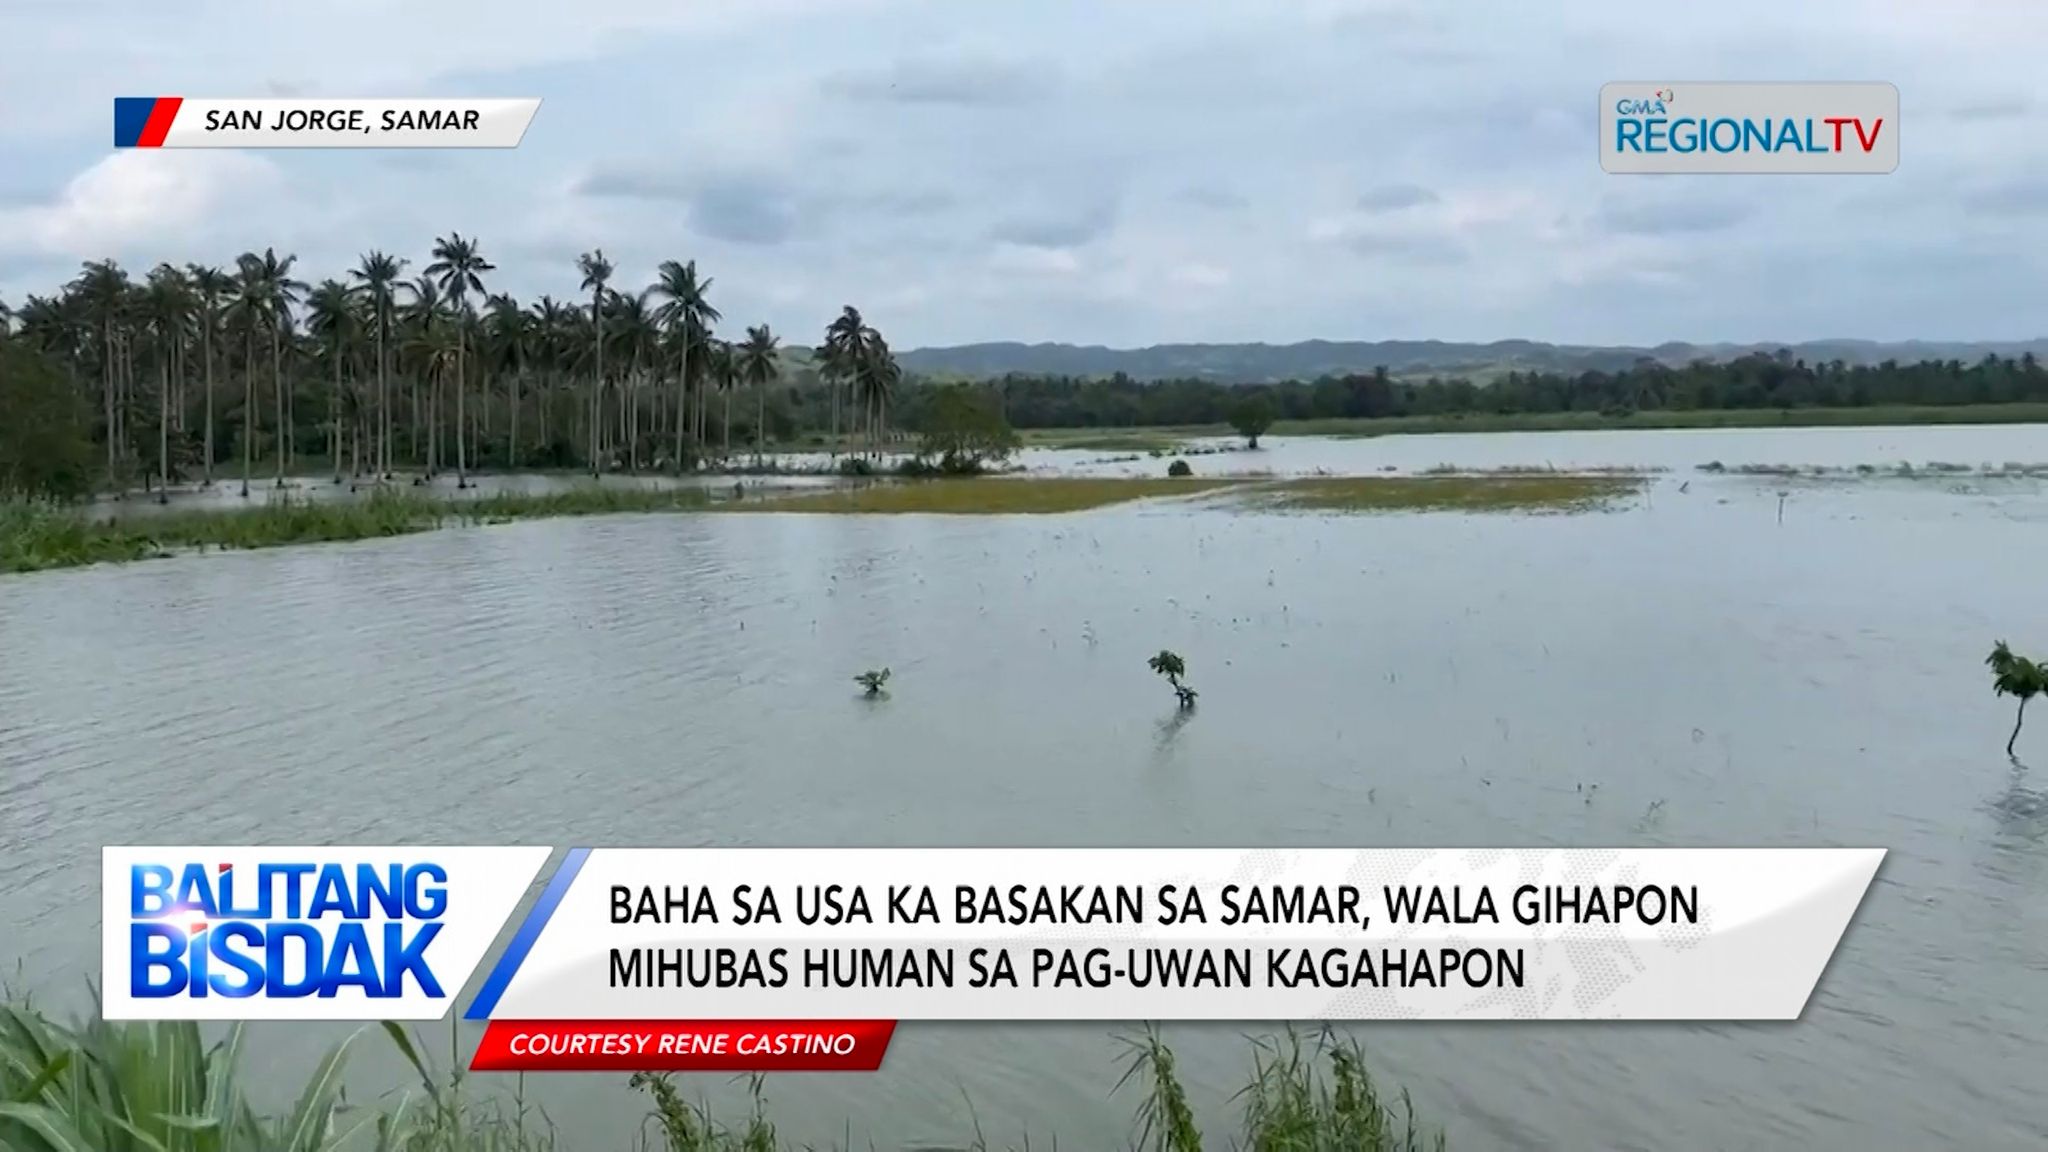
{"points": [[512, 444], [334, 418], [277, 384], [248, 411], [382, 454], [726, 435], [760, 423], [2016, 722], [434, 422], [461, 423], [597, 385], [683, 386], [107, 393], [163, 430], [206, 350]]}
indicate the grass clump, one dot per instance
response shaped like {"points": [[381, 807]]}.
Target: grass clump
{"points": [[995, 496], [1493, 492], [103, 1086]]}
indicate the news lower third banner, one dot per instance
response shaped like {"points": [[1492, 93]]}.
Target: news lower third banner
{"points": [[805, 959], [184, 122]]}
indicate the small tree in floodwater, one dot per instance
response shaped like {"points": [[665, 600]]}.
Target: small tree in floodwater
{"points": [[1251, 416], [2015, 676], [1171, 666], [873, 680]]}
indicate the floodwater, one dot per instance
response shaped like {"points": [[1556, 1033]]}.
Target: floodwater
{"points": [[1975, 446], [1729, 669], [225, 494]]}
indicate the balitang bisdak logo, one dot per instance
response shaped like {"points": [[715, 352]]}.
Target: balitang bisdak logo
{"points": [[301, 933]]}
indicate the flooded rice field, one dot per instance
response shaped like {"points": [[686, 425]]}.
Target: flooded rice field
{"points": [[1731, 664]]}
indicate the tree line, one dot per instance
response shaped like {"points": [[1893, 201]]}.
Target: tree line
{"points": [[189, 371], [1757, 381]]}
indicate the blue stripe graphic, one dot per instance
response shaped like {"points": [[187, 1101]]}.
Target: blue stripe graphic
{"points": [[131, 114], [515, 954]]}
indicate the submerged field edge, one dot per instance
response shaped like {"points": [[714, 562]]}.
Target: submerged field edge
{"points": [[34, 538]]}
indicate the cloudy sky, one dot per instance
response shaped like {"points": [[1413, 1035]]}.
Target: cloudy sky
{"points": [[1088, 171]]}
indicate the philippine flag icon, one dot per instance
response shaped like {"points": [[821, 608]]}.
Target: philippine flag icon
{"points": [[144, 121]]}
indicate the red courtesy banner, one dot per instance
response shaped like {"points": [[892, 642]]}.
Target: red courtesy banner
{"points": [[683, 1046]]}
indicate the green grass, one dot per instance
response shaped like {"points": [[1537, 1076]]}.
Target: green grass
{"points": [[34, 537], [1487, 492], [98, 1086], [1161, 440], [1884, 415], [985, 496]]}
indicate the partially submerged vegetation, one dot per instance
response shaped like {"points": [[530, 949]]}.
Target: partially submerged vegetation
{"points": [[1157, 441], [874, 680], [988, 496], [1169, 664], [1488, 492], [37, 536], [159, 1087], [2018, 677], [1906, 469]]}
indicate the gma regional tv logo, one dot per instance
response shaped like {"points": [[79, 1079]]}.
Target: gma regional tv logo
{"points": [[1749, 128], [301, 933]]}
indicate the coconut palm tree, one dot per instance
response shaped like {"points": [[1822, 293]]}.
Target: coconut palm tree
{"points": [[102, 289], [166, 313], [279, 292], [378, 274], [433, 348], [210, 286], [875, 376], [723, 371], [2018, 677], [635, 339], [685, 306], [55, 326], [331, 319], [459, 269], [425, 313], [508, 348], [250, 312], [597, 273], [548, 321], [759, 367], [846, 342]]}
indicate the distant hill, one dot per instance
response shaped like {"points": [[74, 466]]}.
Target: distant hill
{"points": [[1309, 359]]}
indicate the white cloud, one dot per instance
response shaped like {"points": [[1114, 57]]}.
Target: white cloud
{"points": [[1029, 258], [153, 204]]}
